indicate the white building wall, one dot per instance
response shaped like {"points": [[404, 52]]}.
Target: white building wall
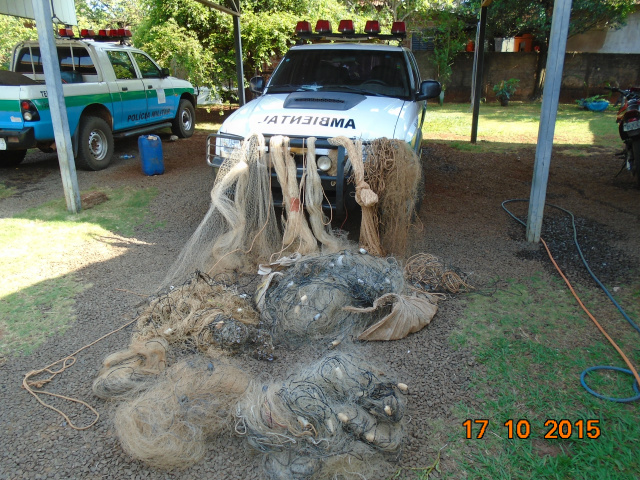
{"points": [[624, 40]]}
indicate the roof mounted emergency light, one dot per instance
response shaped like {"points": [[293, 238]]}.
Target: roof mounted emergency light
{"points": [[66, 32], [398, 28], [346, 31], [372, 27], [86, 33], [323, 26], [303, 27], [346, 27]]}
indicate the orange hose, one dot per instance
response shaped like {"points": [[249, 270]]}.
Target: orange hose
{"points": [[611, 341]]}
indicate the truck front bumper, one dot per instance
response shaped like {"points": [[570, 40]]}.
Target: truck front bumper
{"points": [[17, 139]]}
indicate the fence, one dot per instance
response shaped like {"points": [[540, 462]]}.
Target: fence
{"points": [[584, 73]]}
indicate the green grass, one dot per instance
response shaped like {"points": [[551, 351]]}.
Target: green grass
{"points": [[6, 192], [39, 252], [518, 124], [533, 342]]}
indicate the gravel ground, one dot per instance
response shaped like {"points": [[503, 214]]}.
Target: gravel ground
{"points": [[461, 222]]}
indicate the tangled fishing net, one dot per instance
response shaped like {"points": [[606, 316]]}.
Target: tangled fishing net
{"points": [[207, 317], [167, 426], [306, 302], [240, 227], [393, 171], [329, 414], [241, 230], [131, 370], [425, 272]]}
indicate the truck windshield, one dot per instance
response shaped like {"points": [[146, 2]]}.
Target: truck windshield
{"points": [[366, 71]]}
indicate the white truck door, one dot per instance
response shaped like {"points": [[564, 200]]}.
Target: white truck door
{"points": [[161, 102], [129, 97]]}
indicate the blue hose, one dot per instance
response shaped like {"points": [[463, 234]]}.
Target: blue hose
{"points": [[604, 289]]}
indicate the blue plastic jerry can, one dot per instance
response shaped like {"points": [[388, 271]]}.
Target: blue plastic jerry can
{"points": [[150, 147]]}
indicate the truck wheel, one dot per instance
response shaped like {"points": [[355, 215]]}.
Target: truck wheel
{"points": [[11, 158], [185, 122], [95, 144]]}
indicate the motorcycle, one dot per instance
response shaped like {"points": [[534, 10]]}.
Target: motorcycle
{"points": [[628, 119]]}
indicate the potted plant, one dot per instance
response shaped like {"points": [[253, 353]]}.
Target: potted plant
{"points": [[505, 89]]}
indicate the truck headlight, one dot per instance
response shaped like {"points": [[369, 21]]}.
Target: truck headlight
{"points": [[324, 163], [227, 145]]}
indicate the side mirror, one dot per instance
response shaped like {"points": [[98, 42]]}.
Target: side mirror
{"points": [[256, 84], [429, 89], [165, 72]]}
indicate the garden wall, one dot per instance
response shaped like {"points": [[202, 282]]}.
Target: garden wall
{"points": [[583, 76]]}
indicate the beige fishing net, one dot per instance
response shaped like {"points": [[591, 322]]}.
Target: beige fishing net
{"points": [[178, 382], [326, 414], [167, 425]]}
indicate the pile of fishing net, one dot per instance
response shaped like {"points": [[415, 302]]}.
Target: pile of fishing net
{"points": [[168, 424], [176, 383], [241, 229], [341, 295], [205, 316], [332, 417]]}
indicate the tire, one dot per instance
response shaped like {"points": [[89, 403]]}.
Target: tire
{"points": [[11, 158], [185, 122], [95, 144], [636, 160]]}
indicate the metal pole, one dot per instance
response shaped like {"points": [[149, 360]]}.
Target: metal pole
{"points": [[239, 67], [477, 86], [57, 107], [550, 96]]}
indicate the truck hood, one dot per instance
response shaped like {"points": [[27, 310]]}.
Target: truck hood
{"points": [[320, 114]]}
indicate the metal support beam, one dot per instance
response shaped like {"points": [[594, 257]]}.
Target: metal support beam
{"points": [[477, 77], [237, 40], [550, 96], [57, 107], [219, 7], [239, 67]]}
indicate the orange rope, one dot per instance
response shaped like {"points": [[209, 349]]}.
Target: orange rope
{"points": [[611, 341], [66, 362]]}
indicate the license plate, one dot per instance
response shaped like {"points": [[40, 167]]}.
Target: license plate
{"points": [[3, 144], [631, 126]]}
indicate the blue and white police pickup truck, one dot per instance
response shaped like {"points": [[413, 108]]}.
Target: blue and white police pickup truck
{"points": [[358, 87], [110, 88]]}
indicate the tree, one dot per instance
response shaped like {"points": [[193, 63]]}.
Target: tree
{"points": [[98, 14], [507, 18], [267, 26], [14, 30]]}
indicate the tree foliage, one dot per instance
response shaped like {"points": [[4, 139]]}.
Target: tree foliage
{"points": [[14, 30], [98, 14], [267, 29], [507, 18]]}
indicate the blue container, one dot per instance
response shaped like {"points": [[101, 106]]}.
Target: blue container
{"points": [[597, 106], [150, 148]]}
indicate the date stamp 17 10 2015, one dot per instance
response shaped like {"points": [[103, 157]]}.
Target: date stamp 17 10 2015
{"points": [[555, 429]]}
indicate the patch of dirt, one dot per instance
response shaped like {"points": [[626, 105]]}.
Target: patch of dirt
{"points": [[461, 222]]}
